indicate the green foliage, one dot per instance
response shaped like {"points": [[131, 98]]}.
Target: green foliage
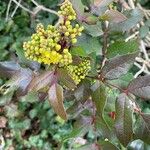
{"points": [[46, 107]]}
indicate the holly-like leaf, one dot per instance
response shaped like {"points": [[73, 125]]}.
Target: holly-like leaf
{"points": [[122, 48], [123, 123], [93, 30], [83, 92], [142, 128], [79, 8], [41, 81], [100, 6], [144, 30], [115, 16], [140, 87], [8, 68], [22, 80], [99, 98], [134, 17], [55, 96], [107, 145], [66, 79], [78, 51], [89, 44], [118, 66]]}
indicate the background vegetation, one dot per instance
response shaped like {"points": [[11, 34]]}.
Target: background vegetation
{"points": [[30, 123]]}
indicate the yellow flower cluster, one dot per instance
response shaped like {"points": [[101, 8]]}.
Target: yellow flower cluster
{"points": [[67, 11], [78, 72], [51, 45]]}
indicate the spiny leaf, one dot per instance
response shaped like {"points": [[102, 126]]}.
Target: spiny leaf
{"points": [[55, 96], [100, 99], [107, 145], [89, 44], [102, 3], [142, 128], [100, 6], [21, 80], [115, 16], [93, 30], [8, 68], [79, 8], [78, 51], [118, 66], [123, 123], [66, 79], [122, 48], [134, 17], [41, 81], [140, 87]]}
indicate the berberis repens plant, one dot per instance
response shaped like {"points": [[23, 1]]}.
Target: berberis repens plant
{"points": [[82, 64]]}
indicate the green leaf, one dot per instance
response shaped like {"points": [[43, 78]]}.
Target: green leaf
{"points": [[12, 110], [78, 51], [89, 44], [83, 92], [134, 17], [88, 147], [55, 96], [31, 97], [7, 96], [123, 81], [99, 97], [144, 30], [4, 41], [77, 132], [142, 128], [123, 122], [93, 30], [107, 145], [66, 79], [41, 81], [118, 66], [147, 23], [79, 8], [140, 87], [121, 48]]}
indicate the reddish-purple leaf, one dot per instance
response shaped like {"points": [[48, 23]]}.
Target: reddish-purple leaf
{"points": [[140, 87], [118, 66], [41, 81], [55, 96], [115, 16], [142, 128], [8, 68], [66, 79], [123, 123]]}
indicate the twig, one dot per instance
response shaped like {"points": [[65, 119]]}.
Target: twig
{"points": [[8, 8], [13, 13], [24, 8], [105, 42], [34, 2]]}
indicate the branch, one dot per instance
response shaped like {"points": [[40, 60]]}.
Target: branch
{"points": [[105, 42], [8, 8], [33, 12]]}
